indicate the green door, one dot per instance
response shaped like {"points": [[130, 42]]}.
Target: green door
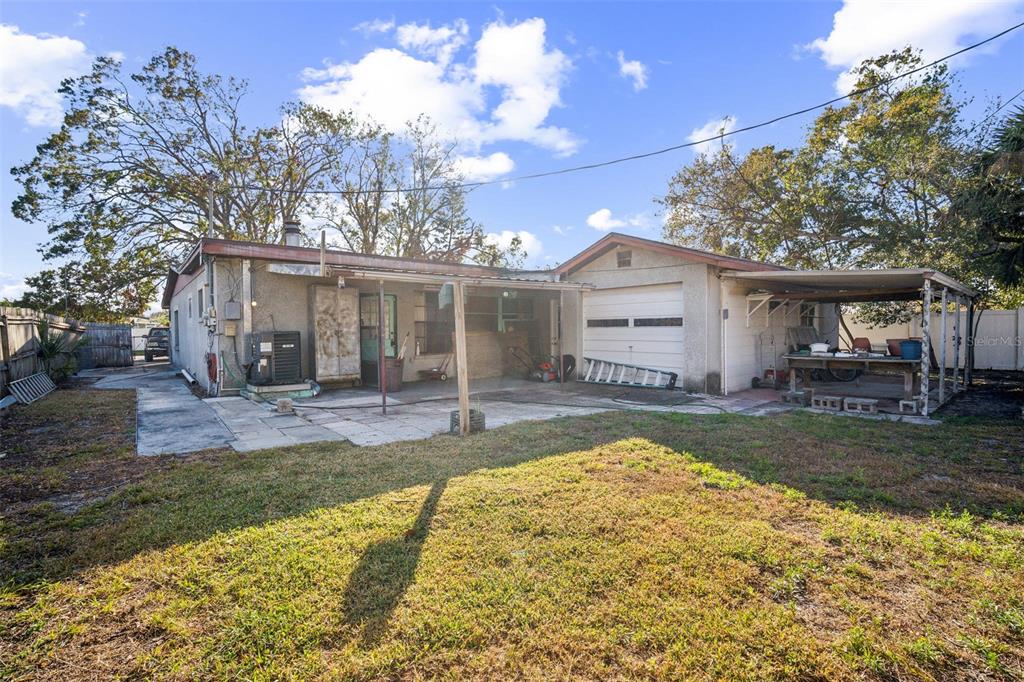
{"points": [[368, 311]]}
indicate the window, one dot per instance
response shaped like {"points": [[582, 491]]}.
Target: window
{"points": [[177, 330], [190, 307], [658, 322], [615, 322], [807, 314], [434, 331], [624, 259], [199, 306]]}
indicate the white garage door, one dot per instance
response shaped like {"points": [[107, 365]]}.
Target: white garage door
{"points": [[636, 325]]}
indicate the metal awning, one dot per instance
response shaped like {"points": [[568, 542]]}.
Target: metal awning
{"points": [[849, 286]]}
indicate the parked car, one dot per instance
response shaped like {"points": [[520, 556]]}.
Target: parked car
{"points": [[158, 342]]}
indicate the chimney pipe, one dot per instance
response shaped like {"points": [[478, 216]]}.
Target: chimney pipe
{"points": [[291, 232]]}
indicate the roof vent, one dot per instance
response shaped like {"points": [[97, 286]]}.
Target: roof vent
{"points": [[291, 233]]}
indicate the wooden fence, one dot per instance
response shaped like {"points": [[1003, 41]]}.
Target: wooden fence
{"points": [[108, 345], [19, 345]]}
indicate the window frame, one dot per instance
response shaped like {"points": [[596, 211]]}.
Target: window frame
{"points": [[624, 258], [662, 322], [603, 320]]}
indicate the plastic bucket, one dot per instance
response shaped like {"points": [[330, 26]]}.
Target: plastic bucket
{"points": [[910, 350]]}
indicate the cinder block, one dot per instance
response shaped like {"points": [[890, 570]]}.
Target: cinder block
{"points": [[908, 406], [827, 402], [865, 405]]}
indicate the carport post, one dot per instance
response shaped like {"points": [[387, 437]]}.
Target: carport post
{"points": [[561, 355], [382, 371], [942, 349], [461, 361], [969, 351], [926, 344], [956, 345]]}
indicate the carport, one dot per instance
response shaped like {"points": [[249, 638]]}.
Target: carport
{"points": [[940, 296]]}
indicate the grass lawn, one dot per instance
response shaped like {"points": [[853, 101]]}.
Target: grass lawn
{"points": [[620, 545]]}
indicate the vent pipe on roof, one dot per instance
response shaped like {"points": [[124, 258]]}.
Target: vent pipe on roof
{"points": [[291, 233]]}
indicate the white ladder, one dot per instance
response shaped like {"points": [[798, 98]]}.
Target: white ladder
{"points": [[621, 374]]}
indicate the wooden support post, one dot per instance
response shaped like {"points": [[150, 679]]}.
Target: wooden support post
{"points": [[969, 351], [942, 347], [926, 344], [461, 361], [323, 253], [561, 354], [956, 345], [382, 372], [5, 357]]}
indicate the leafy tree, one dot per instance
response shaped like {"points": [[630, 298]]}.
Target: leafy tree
{"points": [[996, 198], [402, 195], [146, 163], [873, 185]]}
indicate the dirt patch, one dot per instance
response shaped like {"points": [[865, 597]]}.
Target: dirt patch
{"points": [[71, 448], [998, 395]]}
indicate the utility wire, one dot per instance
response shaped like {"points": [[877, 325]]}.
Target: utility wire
{"points": [[658, 152]]}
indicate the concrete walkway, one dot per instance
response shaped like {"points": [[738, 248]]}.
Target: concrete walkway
{"points": [[169, 418]]}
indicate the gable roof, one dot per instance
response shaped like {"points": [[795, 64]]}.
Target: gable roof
{"points": [[615, 239]]}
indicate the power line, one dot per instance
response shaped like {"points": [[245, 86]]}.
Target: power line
{"points": [[657, 152]]}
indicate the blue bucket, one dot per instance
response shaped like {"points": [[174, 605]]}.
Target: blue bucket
{"points": [[910, 350]]}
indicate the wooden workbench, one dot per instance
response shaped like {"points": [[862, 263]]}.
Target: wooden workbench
{"points": [[910, 368]]}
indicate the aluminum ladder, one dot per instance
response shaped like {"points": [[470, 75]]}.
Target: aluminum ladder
{"points": [[621, 374]]}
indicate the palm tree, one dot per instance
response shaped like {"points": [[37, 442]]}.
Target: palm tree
{"points": [[51, 346], [996, 199]]}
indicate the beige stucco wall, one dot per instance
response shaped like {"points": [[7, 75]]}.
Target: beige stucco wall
{"points": [[699, 286], [750, 345], [282, 303]]}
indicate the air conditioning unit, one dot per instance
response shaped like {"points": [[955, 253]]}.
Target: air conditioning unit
{"points": [[275, 358]]}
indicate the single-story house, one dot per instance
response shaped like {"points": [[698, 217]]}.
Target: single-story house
{"points": [[716, 321]]}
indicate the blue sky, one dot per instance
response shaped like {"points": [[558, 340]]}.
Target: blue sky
{"points": [[526, 87]]}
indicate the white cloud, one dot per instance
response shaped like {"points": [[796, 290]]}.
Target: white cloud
{"points": [[634, 70], [80, 18], [484, 168], [392, 87], [11, 287], [561, 229], [640, 220], [715, 126], [867, 28], [440, 43], [602, 220], [511, 63], [368, 28], [31, 69], [529, 242]]}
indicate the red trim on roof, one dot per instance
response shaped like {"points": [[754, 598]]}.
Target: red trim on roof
{"points": [[301, 254], [613, 239]]}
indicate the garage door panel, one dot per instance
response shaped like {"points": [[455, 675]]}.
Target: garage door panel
{"points": [[654, 347]]}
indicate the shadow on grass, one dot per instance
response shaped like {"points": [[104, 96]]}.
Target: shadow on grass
{"points": [[896, 468], [385, 571]]}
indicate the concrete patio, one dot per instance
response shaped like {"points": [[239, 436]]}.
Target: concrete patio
{"points": [[172, 420]]}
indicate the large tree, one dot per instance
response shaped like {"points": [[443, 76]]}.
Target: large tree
{"points": [[996, 198], [872, 185], [146, 163], [401, 194]]}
